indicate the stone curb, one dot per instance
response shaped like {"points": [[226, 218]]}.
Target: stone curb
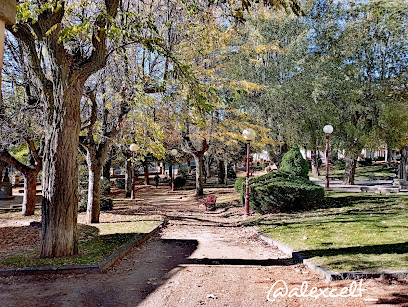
{"points": [[328, 274], [99, 268]]}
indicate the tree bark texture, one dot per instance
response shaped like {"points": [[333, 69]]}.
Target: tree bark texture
{"points": [[106, 169], [60, 173], [128, 177], [199, 175], [403, 166], [30, 179], [350, 170], [221, 174], [94, 190], [30, 192], [226, 172], [146, 175]]}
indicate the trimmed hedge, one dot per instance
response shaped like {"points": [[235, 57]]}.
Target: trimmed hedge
{"points": [[285, 195], [294, 163], [289, 189]]}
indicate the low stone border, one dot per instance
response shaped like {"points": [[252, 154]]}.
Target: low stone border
{"points": [[328, 274], [98, 268]]}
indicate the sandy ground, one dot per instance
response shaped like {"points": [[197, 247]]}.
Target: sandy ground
{"points": [[201, 258]]}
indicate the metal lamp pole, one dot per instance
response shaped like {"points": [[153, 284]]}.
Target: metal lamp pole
{"points": [[249, 135], [328, 129], [133, 149]]}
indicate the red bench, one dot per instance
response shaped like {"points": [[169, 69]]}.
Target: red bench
{"points": [[209, 203]]}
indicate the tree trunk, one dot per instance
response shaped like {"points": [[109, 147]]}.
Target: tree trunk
{"points": [[60, 172], [199, 175], [388, 156], [315, 162], [226, 172], [350, 170], [94, 190], [128, 177], [106, 169], [2, 166], [403, 166], [207, 168], [146, 175], [221, 174], [171, 173], [30, 191]]}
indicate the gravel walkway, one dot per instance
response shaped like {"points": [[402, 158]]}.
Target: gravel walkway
{"points": [[199, 259]]}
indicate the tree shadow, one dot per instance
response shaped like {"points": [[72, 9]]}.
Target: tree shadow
{"points": [[395, 299], [396, 248]]}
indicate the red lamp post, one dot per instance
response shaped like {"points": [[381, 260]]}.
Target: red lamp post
{"points": [[249, 135], [328, 129]]}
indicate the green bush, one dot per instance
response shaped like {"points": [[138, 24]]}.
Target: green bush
{"points": [[294, 164], [105, 186], [106, 204], [239, 184], [179, 182], [282, 194], [340, 164], [120, 183]]}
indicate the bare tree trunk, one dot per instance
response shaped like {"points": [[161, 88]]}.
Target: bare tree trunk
{"points": [[403, 167], [207, 168], [106, 169], [2, 166], [350, 170], [128, 177], [199, 175], [94, 190], [221, 174], [226, 172], [60, 179], [315, 163], [388, 156], [30, 191], [146, 175]]}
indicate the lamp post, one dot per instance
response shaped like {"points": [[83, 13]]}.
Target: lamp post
{"points": [[174, 152], [133, 149], [328, 129], [249, 135]]}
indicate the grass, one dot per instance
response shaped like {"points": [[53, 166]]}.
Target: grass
{"points": [[354, 232], [370, 172], [96, 242]]}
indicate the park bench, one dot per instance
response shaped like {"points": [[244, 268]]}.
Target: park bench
{"points": [[209, 203]]}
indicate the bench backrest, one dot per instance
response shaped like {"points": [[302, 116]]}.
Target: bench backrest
{"points": [[211, 199]]}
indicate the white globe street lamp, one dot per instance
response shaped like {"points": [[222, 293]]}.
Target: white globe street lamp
{"points": [[133, 149], [328, 129], [249, 135]]}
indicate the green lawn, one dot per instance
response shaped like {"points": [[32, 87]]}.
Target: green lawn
{"points": [[370, 172], [96, 242], [354, 232]]}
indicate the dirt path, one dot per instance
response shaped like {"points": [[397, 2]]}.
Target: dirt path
{"points": [[199, 259]]}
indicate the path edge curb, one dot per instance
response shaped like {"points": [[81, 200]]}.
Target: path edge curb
{"points": [[325, 272], [98, 268]]}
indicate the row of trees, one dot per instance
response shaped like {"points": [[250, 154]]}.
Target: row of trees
{"points": [[343, 63], [81, 76]]}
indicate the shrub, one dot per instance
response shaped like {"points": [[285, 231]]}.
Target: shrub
{"points": [[183, 172], [106, 204], [340, 164], [294, 164], [105, 186], [179, 182], [239, 184], [285, 195], [120, 183]]}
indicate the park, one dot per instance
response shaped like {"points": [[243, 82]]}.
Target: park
{"points": [[240, 153]]}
